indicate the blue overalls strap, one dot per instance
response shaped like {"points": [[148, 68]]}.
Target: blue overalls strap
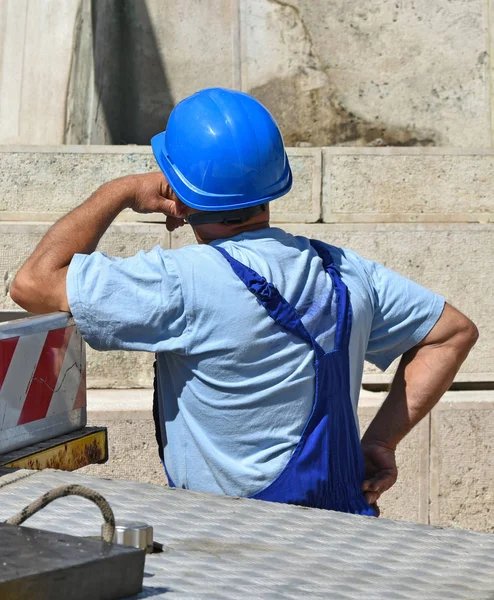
{"points": [[343, 314], [271, 299], [326, 468]]}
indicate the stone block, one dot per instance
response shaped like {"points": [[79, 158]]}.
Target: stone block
{"points": [[104, 369], [18, 240], [119, 369], [462, 465], [452, 260], [408, 498], [45, 184], [344, 73], [35, 59], [393, 185], [352, 73], [303, 203]]}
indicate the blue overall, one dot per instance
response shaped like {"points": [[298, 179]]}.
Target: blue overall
{"points": [[326, 468]]}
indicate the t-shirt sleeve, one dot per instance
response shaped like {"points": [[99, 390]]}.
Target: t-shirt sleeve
{"points": [[131, 303], [404, 313]]}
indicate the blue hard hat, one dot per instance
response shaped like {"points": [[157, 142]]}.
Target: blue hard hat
{"points": [[222, 150]]}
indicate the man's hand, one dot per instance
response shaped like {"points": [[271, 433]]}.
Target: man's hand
{"points": [[152, 194], [423, 375], [381, 472]]}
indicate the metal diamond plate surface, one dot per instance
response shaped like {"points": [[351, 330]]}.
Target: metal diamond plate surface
{"points": [[226, 548]]}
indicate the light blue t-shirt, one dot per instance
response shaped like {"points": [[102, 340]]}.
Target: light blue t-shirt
{"points": [[236, 390]]}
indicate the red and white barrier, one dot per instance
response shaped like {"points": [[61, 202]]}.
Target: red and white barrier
{"points": [[42, 379]]}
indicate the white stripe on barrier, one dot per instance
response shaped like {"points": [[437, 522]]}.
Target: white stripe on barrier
{"points": [[18, 378]]}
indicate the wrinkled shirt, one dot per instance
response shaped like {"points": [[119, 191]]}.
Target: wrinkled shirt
{"points": [[234, 388]]}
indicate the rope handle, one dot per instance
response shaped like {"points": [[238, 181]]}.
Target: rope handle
{"points": [[70, 490]]}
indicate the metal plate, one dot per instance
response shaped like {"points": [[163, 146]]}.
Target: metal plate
{"points": [[67, 452], [219, 547], [46, 566]]}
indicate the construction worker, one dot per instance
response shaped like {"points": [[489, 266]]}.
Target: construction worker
{"points": [[260, 336]]}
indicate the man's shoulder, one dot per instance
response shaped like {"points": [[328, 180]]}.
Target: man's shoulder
{"points": [[191, 251], [193, 259], [344, 258]]}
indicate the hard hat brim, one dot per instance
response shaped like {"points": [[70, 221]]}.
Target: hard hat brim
{"points": [[196, 198]]}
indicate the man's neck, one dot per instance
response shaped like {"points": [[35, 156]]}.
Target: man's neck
{"points": [[207, 234]]}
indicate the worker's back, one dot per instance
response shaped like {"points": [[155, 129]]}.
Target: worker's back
{"points": [[238, 389], [235, 389]]}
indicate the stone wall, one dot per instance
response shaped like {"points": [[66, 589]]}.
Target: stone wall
{"points": [[425, 212], [332, 73]]}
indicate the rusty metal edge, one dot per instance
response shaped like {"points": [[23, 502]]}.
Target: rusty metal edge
{"points": [[68, 454]]}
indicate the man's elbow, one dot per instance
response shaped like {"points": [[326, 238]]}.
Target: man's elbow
{"points": [[40, 293], [467, 335], [454, 332], [23, 290], [473, 334]]}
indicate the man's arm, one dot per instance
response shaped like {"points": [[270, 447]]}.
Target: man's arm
{"points": [[40, 284], [424, 374]]}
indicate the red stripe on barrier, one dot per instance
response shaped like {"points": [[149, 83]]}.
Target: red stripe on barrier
{"points": [[45, 376], [80, 399], [7, 349]]}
